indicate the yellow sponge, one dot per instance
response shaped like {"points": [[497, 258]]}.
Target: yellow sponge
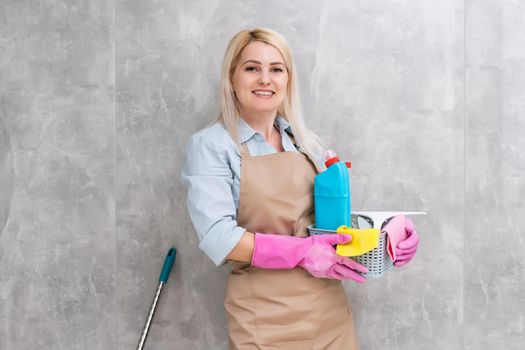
{"points": [[363, 241]]}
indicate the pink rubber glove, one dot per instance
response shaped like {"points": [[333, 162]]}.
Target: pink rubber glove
{"points": [[406, 250], [315, 254]]}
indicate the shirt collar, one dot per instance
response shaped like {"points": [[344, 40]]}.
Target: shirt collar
{"points": [[246, 132]]}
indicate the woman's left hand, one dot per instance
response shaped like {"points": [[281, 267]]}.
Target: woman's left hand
{"points": [[406, 250]]}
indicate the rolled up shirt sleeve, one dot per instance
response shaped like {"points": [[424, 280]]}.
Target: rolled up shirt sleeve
{"points": [[208, 179]]}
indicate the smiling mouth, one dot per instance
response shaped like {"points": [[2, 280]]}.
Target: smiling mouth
{"points": [[263, 93]]}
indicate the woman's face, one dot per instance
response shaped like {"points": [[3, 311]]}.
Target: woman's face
{"points": [[260, 79]]}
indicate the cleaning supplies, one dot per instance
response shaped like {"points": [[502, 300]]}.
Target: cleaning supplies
{"points": [[363, 241], [332, 194]]}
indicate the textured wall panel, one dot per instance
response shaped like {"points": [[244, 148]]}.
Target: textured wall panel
{"points": [[495, 173], [57, 263]]}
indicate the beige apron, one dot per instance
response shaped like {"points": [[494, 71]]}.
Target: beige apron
{"points": [[282, 309]]}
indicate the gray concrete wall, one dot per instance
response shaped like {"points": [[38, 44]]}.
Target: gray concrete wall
{"points": [[97, 99]]}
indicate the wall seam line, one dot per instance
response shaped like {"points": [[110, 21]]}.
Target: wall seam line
{"points": [[464, 157], [115, 113]]}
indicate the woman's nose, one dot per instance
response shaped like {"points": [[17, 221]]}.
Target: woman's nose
{"points": [[264, 78]]}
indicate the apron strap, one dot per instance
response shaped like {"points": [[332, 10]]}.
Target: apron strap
{"points": [[318, 168], [245, 152]]}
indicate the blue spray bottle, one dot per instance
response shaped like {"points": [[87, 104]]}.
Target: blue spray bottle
{"points": [[332, 194]]}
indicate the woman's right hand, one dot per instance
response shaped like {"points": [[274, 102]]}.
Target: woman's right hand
{"points": [[315, 254], [322, 261]]}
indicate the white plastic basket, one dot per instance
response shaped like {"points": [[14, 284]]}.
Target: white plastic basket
{"points": [[377, 260]]}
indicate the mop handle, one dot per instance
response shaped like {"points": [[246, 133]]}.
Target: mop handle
{"points": [[164, 275]]}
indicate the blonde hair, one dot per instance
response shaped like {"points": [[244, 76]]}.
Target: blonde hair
{"points": [[290, 109]]}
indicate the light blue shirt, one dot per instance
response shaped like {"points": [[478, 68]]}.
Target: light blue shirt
{"points": [[211, 174]]}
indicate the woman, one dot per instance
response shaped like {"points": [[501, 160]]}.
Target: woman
{"points": [[250, 179]]}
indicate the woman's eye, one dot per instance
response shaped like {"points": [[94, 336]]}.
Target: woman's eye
{"points": [[278, 70], [251, 69]]}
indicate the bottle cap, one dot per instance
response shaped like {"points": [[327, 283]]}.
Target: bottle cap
{"points": [[331, 158]]}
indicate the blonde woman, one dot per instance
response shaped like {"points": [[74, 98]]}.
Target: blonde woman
{"points": [[250, 180]]}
